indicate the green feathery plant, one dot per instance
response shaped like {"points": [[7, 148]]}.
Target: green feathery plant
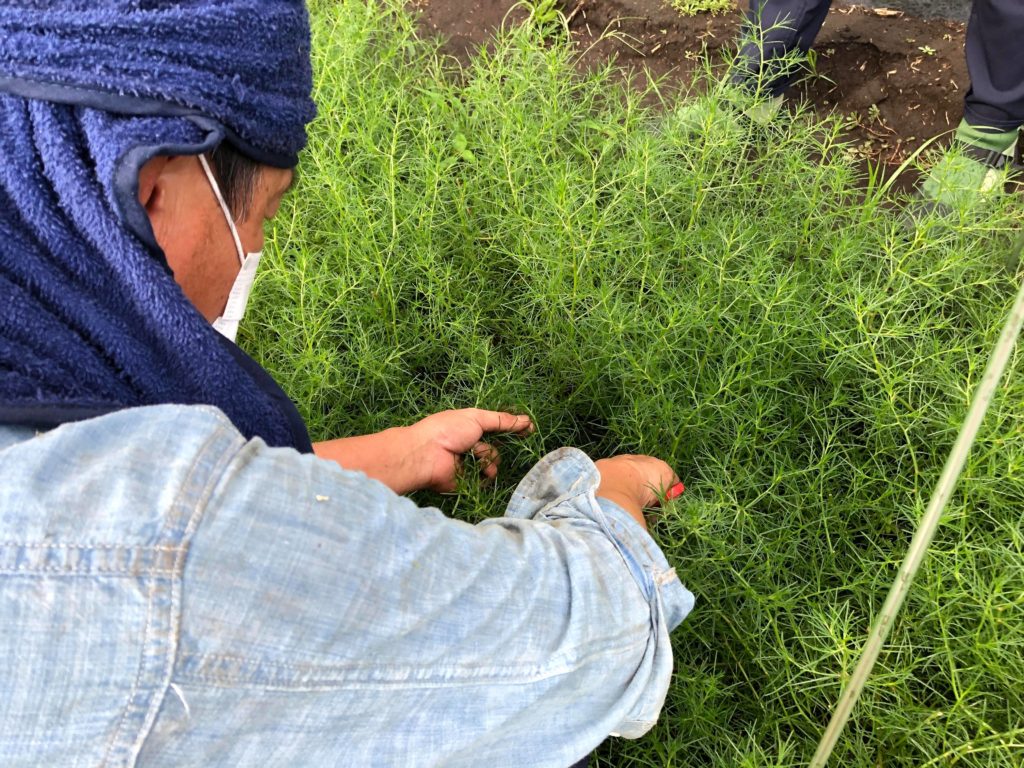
{"points": [[733, 298], [693, 7]]}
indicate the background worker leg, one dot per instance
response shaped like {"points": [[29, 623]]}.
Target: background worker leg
{"points": [[773, 29], [994, 105]]}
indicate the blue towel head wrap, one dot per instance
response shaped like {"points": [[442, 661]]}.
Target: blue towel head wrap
{"points": [[93, 320]]}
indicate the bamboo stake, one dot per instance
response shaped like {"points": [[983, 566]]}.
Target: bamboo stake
{"points": [[926, 529]]}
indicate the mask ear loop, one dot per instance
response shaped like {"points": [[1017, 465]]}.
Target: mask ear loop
{"points": [[224, 207]]}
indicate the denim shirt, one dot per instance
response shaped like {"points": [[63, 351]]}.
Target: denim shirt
{"points": [[171, 595]]}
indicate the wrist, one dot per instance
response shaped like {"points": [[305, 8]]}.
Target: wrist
{"points": [[388, 456], [401, 449], [629, 504]]}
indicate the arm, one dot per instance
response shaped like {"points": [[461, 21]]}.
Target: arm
{"points": [[427, 454], [317, 602]]}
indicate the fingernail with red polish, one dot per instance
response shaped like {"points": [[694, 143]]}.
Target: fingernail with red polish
{"points": [[674, 491]]}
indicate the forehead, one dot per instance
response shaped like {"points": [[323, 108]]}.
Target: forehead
{"points": [[277, 180]]}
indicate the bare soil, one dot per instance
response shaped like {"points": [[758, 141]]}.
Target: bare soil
{"points": [[897, 80]]}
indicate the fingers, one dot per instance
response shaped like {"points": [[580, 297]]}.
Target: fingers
{"points": [[674, 491], [647, 480], [660, 479], [488, 459], [500, 421]]}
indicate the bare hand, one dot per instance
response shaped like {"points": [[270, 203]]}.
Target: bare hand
{"points": [[443, 439], [427, 454], [635, 482]]}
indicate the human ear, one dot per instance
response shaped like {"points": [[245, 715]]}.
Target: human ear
{"points": [[151, 188]]}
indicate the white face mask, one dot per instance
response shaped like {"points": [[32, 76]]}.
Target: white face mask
{"points": [[234, 310]]}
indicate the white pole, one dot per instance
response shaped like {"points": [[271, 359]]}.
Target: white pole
{"points": [[925, 531]]}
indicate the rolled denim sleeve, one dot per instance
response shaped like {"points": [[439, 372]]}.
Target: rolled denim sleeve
{"points": [[326, 620], [563, 486], [561, 490]]}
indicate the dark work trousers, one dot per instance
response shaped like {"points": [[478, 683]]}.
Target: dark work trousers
{"points": [[994, 47], [787, 25], [995, 62]]}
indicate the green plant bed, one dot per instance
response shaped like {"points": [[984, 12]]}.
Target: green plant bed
{"points": [[693, 7], [732, 299]]}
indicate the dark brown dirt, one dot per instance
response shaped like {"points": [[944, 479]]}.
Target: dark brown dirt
{"points": [[896, 79]]}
